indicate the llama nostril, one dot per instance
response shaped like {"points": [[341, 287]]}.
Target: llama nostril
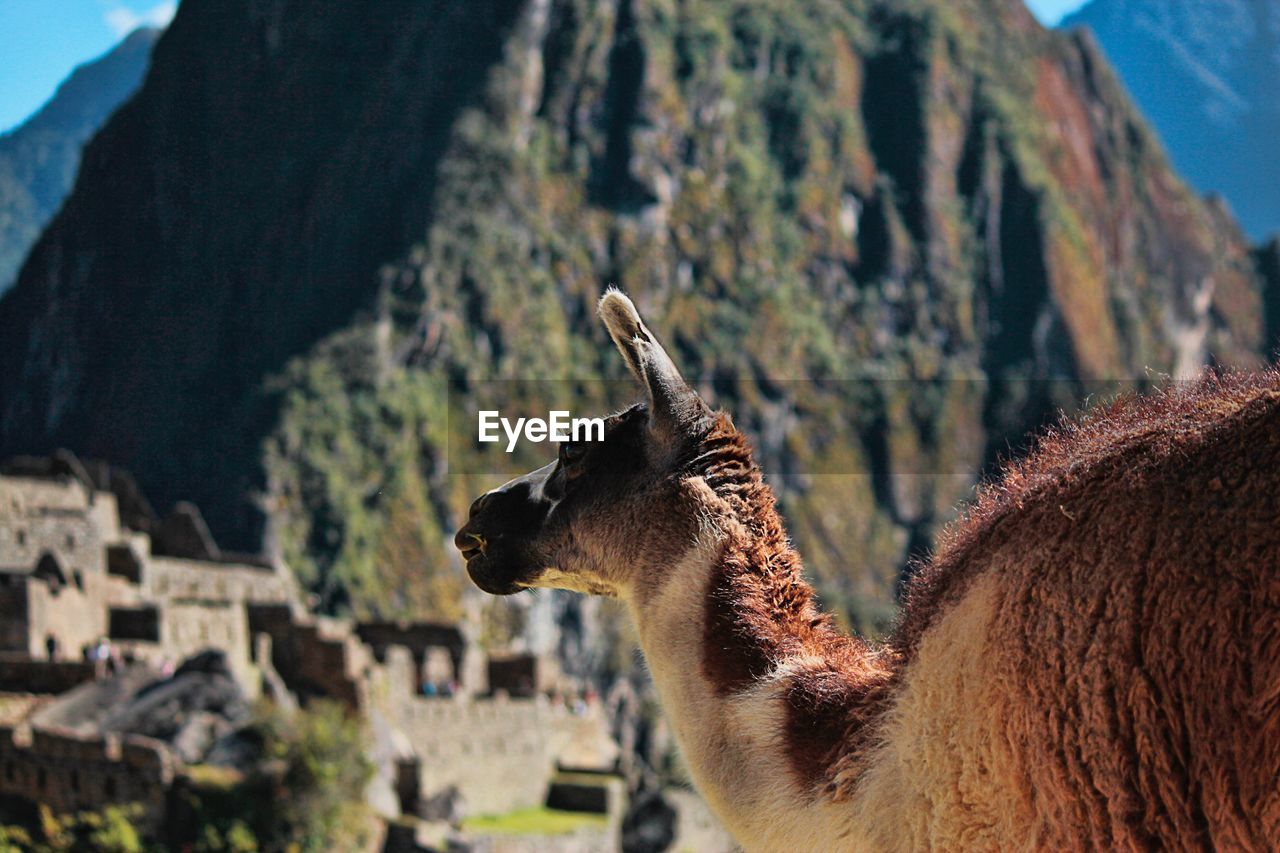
{"points": [[469, 543]]}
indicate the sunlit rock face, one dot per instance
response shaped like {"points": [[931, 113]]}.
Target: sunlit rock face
{"points": [[308, 230]]}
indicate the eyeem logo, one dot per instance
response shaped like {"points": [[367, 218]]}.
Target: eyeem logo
{"points": [[557, 427]]}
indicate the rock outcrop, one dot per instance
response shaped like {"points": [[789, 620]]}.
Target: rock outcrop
{"points": [[197, 710]]}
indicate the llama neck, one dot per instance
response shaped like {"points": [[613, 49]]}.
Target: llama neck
{"points": [[761, 690]]}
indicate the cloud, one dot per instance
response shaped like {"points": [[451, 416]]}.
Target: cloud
{"points": [[125, 21]]}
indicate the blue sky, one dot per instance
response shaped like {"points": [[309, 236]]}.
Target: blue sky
{"points": [[42, 40], [1051, 11]]}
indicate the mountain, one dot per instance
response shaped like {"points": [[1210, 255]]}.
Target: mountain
{"points": [[890, 235], [1205, 75], [39, 158]]}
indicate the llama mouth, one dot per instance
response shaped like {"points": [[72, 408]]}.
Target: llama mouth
{"points": [[483, 576], [491, 572]]}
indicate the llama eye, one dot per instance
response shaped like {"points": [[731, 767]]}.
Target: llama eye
{"points": [[571, 452]]}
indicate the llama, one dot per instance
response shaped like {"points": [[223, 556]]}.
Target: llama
{"points": [[1091, 659]]}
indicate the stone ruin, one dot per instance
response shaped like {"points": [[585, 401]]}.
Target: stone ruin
{"points": [[84, 559]]}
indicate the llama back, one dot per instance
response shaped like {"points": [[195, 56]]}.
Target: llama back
{"points": [[1120, 600]]}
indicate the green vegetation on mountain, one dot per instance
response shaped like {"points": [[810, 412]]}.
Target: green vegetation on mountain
{"points": [[889, 236]]}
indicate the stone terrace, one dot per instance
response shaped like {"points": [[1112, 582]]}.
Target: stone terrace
{"points": [[83, 556]]}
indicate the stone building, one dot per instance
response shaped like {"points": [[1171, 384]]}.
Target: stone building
{"points": [[83, 557], [495, 753], [73, 570]]}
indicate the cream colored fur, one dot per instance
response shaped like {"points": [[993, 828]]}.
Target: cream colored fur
{"points": [[944, 792], [942, 780]]}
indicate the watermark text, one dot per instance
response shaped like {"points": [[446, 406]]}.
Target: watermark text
{"points": [[558, 426]]}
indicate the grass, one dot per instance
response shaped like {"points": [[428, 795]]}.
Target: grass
{"points": [[534, 821], [580, 778], [214, 778]]}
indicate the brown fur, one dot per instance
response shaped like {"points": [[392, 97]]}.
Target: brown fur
{"points": [[1138, 557], [1140, 438], [760, 611]]}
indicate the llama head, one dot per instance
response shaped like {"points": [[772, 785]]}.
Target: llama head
{"points": [[606, 514]]}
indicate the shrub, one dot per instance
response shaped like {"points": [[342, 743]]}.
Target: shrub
{"points": [[113, 829], [305, 793]]}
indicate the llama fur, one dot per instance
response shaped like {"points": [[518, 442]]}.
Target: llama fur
{"points": [[1091, 659]]}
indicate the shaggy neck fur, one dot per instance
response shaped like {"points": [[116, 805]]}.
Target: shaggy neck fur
{"points": [[768, 699]]}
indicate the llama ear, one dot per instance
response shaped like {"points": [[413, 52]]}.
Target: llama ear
{"points": [[674, 408]]}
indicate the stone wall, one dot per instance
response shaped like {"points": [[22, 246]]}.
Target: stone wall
{"points": [[74, 615], [69, 773], [62, 523], [313, 659], [498, 753], [59, 516], [21, 674], [188, 627], [168, 578], [523, 674], [444, 646]]}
